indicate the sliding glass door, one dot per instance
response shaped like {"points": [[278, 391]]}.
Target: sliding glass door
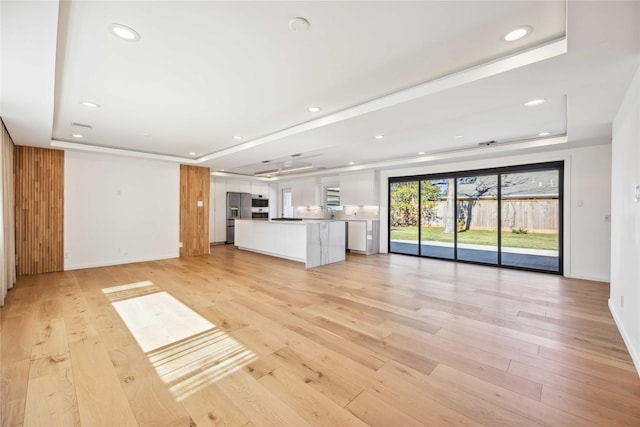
{"points": [[508, 217], [403, 217], [477, 212], [437, 218], [531, 219]]}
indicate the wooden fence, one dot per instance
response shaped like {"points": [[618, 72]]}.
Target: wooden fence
{"points": [[534, 215]]}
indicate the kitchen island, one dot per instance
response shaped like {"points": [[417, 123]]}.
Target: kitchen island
{"points": [[314, 242]]}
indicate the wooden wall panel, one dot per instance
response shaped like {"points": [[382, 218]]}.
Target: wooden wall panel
{"points": [[194, 219], [39, 185]]}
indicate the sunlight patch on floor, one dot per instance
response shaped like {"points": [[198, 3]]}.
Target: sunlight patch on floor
{"points": [[187, 351], [191, 364], [122, 292]]}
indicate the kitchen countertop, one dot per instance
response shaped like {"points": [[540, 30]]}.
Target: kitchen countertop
{"points": [[296, 221]]}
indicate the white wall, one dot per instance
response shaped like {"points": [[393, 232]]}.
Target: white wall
{"points": [[590, 224], [586, 177], [625, 221], [119, 210]]}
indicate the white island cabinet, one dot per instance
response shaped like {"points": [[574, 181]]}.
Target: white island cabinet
{"points": [[313, 242]]}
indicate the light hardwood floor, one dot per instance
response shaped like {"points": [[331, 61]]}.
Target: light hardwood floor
{"points": [[384, 340]]}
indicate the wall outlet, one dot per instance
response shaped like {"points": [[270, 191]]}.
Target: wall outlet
{"points": [[180, 244], [66, 255], [200, 203]]}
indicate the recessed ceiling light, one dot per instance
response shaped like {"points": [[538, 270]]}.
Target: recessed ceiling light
{"points": [[421, 152], [313, 109], [238, 137], [299, 24], [77, 135], [379, 136], [123, 32], [352, 163], [90, 104], [544, 133], [192, 153], [535, 102], [518, 33], [459, 136]]}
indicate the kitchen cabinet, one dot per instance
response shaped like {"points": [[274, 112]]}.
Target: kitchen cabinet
{"points": [[275, 206], [363, 236], [260, 188], [359, 189], [219, 188], [238, 186], [303, 193], [357, 236]]}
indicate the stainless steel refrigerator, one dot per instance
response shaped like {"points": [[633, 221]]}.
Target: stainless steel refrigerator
{"points": [[238, 206]]}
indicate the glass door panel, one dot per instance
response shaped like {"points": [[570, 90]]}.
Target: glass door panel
{"points": [[403, 217], [531, 220], [477, 218], [438, 218]]}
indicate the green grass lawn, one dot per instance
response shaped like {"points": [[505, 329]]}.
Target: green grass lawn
{"points": [[479, 237]]}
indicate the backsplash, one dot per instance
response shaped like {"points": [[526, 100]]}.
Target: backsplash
{"points": [[358, 212], [348, 213], [309, 212]]}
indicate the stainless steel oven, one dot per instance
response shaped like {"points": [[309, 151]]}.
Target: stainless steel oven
{"points": [[259, 202], [259, 213], [259, 207]]}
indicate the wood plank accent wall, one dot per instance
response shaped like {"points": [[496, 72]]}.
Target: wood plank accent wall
{"points": [[39, 185], [194, 219]]}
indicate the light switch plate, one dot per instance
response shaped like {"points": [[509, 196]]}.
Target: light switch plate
{"points": [[200, 204]]}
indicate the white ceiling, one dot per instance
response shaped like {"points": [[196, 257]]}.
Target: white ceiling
{"points": [[418, 72]]}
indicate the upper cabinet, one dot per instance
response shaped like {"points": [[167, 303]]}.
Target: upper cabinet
{"points": [[275, 205], [359, 189], [260, 188], [304, 193], [238, 186]]}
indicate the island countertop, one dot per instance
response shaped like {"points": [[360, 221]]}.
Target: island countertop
{"points": [[314, 242], [296, 221]]}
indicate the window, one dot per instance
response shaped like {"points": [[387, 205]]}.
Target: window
{"points": [[510, 217], [332, 196]]}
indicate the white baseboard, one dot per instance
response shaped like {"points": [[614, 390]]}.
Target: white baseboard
{"points": [[625, 336], [588, 277], [118, 262]]}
